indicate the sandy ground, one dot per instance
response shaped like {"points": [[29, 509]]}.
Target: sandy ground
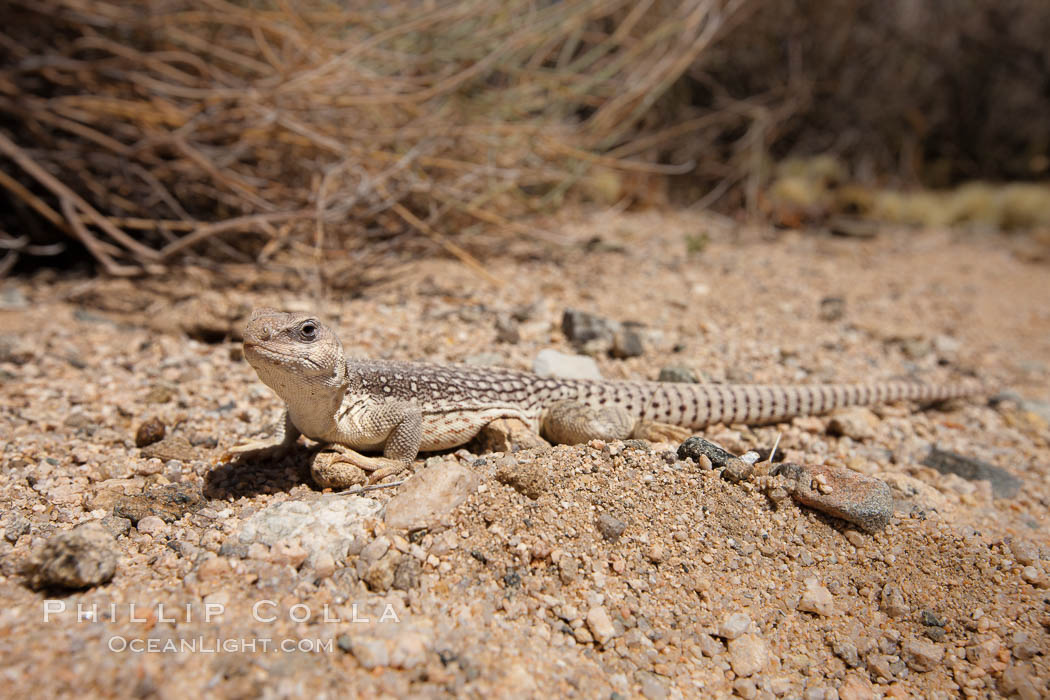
{"points": [[712, 589]]}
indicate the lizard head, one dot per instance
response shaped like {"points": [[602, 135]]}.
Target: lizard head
{"points": [[295, 354]]}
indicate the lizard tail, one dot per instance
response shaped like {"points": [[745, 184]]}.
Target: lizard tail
{"points": [[695, 406]]}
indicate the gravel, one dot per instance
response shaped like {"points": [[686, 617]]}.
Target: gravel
{"points": [[483, 590]]}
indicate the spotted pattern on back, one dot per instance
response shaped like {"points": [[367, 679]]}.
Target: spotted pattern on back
{"points": [[476, 394]]}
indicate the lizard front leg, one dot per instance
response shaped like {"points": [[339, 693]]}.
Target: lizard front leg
{"points": [[286, 437], [342, 466]]}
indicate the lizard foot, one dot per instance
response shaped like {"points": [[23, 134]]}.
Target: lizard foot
{"points": [[256, 450], [654, 431], [340, 467]]}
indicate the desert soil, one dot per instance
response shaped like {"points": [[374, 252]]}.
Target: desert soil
{"points": [[200, 580]]}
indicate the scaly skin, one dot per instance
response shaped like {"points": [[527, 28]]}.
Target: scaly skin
{"points": [[400, 408]]}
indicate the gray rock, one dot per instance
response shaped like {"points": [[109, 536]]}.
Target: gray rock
{"points": [[230, 548], [677, 373], [610, 527], [79, 558], [551, 363], [1004, 484], [1040, 408], [116, 526], [832, 308], [430, 495], [15, 525], [406, 574], [847, 651], [931, 619], [843, 493], [326, 523], [507, 329], [581, 327], [370, 653], [374, 550], [891, 601], [12, 299], [627, 343], [15, 349], [696, 446]]}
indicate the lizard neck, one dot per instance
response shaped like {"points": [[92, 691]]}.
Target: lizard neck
{"points": [[313, 403]]}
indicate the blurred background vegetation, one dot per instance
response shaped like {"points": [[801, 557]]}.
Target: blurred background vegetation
{"points": [[138, 135]]}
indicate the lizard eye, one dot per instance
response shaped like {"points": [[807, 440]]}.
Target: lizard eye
{"points": [[308, 331]]}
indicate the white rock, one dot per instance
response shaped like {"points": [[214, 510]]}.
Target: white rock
{"points": [[733, 626], [426, 498], [152, 525], [600, 624], [817, 599], [551, 363], [370, 652], [326, 523], [748, 655], [375, 549]]}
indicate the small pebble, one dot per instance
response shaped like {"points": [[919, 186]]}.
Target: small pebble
{"points": [[151, 525], [610, 527], [149, 431], [817, 599], [922, 656], [679, 374], [733, 626], [600, 625]]}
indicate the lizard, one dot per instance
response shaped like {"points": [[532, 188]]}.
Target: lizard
{"points": [[400, 408]]}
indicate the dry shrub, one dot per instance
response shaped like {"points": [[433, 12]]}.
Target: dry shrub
{"points": [[934, 92], [153, 132], [148, 131]]}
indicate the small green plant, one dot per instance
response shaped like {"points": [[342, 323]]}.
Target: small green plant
{"points": [[696, 242]]}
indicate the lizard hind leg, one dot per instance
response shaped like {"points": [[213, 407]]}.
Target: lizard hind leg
{"points": [[571, 423]]}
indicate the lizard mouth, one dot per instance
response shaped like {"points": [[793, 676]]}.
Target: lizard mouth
{"points": [[270, 355]]}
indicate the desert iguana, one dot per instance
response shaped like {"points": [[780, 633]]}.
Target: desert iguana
{"points": [[400, 408]]}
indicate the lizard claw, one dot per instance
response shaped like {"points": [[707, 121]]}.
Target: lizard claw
{"points": [[382, 473], [256, 450], [340, 467]]}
